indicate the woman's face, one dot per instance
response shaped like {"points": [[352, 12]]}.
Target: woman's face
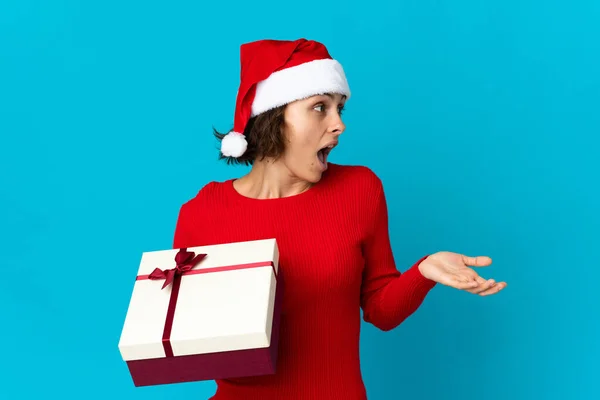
{"points": [[312, 127]]}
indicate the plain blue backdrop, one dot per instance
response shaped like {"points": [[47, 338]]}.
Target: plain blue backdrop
{"points": [[482, 119]]}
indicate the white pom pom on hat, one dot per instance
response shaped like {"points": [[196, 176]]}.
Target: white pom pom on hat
{"points": [[234, 144], [278, 72]]}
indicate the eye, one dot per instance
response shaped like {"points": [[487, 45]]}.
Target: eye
{"points": [[341, 109], [319, 107]]}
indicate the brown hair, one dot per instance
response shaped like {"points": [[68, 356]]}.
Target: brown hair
{"points": [[265, 137]]}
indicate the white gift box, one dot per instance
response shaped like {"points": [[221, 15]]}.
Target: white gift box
{"points": [[218, 318]]}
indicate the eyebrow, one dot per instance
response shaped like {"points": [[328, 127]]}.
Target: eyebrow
{"points": [[330, 95]]}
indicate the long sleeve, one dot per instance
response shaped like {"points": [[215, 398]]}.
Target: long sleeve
{"points": [[388, 297], [183, 236], [334, 256]]}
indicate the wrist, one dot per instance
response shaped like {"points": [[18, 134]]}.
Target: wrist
{"points": [[421, 263], [421, 274]]}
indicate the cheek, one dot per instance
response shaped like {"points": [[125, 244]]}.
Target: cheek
{"points": [[303, 143]]}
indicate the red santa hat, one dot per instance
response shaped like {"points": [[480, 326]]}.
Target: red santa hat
{"points": [[278, 72]]}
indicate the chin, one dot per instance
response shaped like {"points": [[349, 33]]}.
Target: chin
{"points": [[315, 177], [311, 175]]}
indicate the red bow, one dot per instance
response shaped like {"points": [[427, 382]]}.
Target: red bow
{"points": [[185, 261]]}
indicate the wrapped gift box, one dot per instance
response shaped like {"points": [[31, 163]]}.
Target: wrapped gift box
{"points": [[204, 313]]}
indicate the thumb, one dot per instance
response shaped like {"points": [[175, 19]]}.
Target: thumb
{"points": [[479, 261]]}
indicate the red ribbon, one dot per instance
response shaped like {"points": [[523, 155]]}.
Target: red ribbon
{"points": [[185, 262]]}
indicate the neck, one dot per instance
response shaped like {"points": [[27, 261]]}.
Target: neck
{"points": [[270, 180]]}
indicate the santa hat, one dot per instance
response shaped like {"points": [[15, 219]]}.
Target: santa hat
{"points": [[278, 72]]}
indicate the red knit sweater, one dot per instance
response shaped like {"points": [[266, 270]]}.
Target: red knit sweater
{"points": [[336, 258]]}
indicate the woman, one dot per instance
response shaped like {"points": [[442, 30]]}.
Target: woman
{"points": [[330, 222]]}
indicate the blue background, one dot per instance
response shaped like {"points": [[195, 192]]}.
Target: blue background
{"points": [[482, 119]]}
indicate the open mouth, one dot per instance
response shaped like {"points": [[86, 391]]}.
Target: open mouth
{"points": [[323, 153]]}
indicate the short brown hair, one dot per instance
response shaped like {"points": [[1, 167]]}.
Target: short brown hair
{"points": [[265, 137]]}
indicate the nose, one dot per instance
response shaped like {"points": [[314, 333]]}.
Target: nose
{"points": [[337, 127]]}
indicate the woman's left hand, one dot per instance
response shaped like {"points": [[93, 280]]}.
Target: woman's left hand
{"points": [[452, 269]]}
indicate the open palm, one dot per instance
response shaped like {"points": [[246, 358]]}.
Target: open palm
{"points": [[454, 270]]}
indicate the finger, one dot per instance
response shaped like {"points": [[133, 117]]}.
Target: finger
{"points": [[480, 281], [479, 261], [483, 286], [463, 283], [494, 289]]}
